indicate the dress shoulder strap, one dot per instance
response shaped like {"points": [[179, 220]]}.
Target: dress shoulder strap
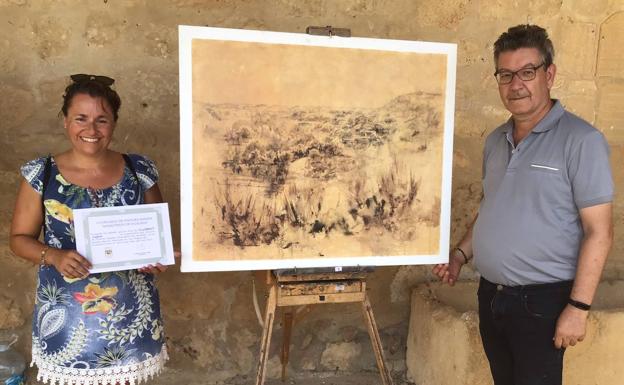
{"points": [[47, 169], [131, 167]]}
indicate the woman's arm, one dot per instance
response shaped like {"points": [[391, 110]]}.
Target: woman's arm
{"points": [[25, 230], [26, 224], [153, 195]]}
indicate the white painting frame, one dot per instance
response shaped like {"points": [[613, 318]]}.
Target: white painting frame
{"points": [[187, 34]]}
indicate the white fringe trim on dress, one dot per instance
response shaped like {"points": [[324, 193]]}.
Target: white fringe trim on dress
{"points": [[134, 374]]}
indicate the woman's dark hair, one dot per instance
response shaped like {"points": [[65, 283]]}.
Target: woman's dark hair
{"points": [[94, 86], [525, 36]]}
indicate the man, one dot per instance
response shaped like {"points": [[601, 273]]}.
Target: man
{"points": [[544, 227]]}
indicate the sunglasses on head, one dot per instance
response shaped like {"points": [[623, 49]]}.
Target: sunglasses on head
{"points": [[104, 80]]}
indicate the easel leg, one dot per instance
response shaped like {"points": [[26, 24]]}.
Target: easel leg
{"points": [[386, 379], [265, 343], [287, 319]]}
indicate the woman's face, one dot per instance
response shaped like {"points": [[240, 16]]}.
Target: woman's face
{"points": [[89, 124]]}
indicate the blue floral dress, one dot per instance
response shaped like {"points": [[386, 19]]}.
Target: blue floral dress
{"points": [[106, 328]]}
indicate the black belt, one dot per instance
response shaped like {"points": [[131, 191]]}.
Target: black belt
{"points": [[534, 288]]}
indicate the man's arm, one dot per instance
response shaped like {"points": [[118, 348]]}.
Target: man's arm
{"points": [[449, 272], [598, 228]]}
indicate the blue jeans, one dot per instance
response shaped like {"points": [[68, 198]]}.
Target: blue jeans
{"points": [[517, 325]]}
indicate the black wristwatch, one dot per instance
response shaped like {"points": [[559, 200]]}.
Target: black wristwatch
{"points": [[579, 305]]}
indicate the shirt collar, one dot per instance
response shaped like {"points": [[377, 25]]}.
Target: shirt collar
{"points": [[547, 121]]}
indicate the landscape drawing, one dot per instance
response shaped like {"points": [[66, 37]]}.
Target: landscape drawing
{"points": [[300, 153]]}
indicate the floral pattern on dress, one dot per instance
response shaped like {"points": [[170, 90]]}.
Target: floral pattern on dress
{"points": [[105, 327], [96, 299]]}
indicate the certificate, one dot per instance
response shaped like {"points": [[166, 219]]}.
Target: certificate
{"points": [[124, 237]]}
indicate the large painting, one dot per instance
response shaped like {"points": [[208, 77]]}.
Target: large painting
{"points": [[313, 151]]}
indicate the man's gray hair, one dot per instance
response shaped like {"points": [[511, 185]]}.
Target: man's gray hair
{"points": [[525, 36]]}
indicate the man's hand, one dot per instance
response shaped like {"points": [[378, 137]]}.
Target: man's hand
{"points": [[571, 327], [153, 269], [448, 272], [158, 268]]}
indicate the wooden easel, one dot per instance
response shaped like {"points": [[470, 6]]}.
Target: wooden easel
{"points": [[289, 288]]}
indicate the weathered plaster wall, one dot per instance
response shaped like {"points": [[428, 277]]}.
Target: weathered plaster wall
{"points": [[210, 322]]}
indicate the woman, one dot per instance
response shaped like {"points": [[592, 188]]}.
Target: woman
{"points": [[87, 328]]}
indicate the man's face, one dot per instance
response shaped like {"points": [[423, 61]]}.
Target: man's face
{"points": [[525, 98]]}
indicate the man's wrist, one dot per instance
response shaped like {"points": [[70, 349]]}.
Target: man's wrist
{"points": [[579, 305], [461, 252]]}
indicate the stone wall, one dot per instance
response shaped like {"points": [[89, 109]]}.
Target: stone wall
{"points": [[441, 314], [209, 317]]}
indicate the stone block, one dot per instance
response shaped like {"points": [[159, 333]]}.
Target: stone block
{"points": [[16, 107], [50, 37], [610, 53], [444, 14], [7, 62], [598, 359], [340, 356], [444, 346], [4, 3], [578, 58], [578, 97], [10, 314], [102, 29], [610, 114], [521, 10], [443, 343], [586, 9]]}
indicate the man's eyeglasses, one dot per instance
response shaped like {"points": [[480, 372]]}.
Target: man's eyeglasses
{"points": [[525, 74], [103, 80]]}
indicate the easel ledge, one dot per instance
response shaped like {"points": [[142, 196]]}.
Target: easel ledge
{"points": [[296, 287]]}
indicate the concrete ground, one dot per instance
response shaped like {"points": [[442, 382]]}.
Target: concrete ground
{"points": [[173, 377], [357, 379]]}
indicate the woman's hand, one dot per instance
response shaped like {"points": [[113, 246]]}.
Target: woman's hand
{"points": [[69, 263], [153, 269]]}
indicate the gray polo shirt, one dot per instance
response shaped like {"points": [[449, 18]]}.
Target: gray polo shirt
{"points": [[528, 230]]}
